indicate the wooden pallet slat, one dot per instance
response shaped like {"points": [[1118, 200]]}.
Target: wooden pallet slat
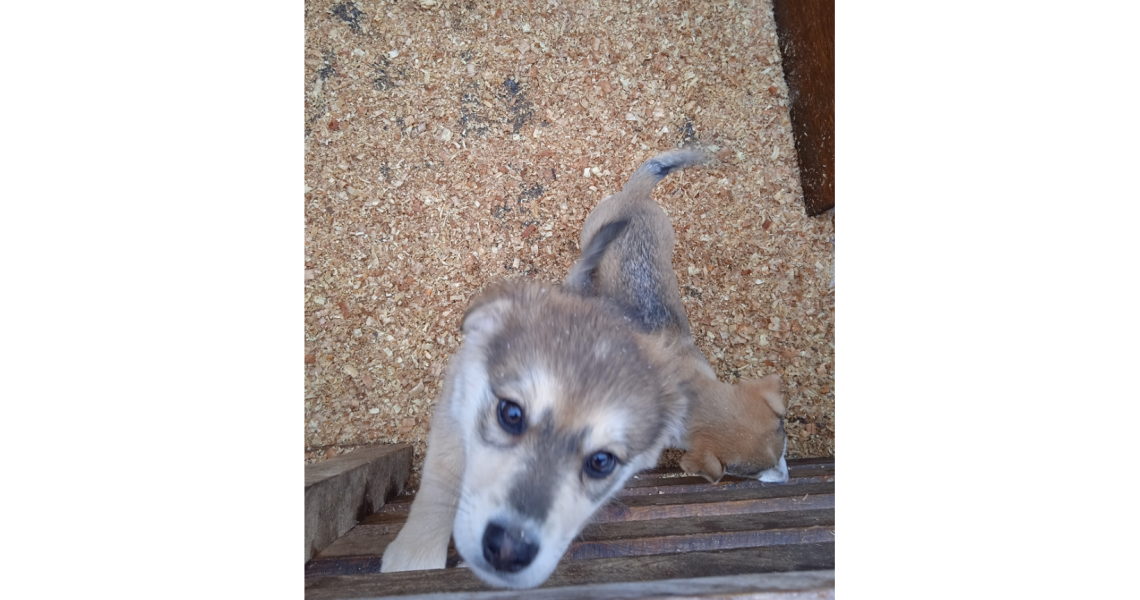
{"points": [[794, 464], [664, 525], [651, 486], [354, 552], [700, 534], [727, 502], [670, 481], [571, 573]]}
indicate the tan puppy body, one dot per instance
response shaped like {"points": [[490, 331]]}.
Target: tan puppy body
{"points": [[627, 248], [727, 429]]}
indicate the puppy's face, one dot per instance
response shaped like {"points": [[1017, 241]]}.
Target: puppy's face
{"points": [[558, 409], [762, 402]]}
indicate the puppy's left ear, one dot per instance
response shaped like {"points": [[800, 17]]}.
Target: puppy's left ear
{"points": [[768, 388], [486, 314]]}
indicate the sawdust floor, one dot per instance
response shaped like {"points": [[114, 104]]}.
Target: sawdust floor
{"points": [[448, 147]]}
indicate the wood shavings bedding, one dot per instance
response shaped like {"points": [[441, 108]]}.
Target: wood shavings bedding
{"points": [[449, 146]]}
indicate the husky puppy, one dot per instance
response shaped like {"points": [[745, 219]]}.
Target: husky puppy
{"points": [[558, 394], [549, 405], [627, 259]]}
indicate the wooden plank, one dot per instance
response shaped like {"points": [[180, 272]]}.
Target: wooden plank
{"points": [[596, 572], [641, 479], [818, 461], [393, 519], [694, 525], [362, 540], [700, 534], [362, 564], [666, 474], [343, 490], [399, 504], [808, 496], [345, 565], [744, 500], [797, 585], [672, 481], [740, 497], [806, 30], [356, 551], [827, 462], [673, 485], [648, 486]]}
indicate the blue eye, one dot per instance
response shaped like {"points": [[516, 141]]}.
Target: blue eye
{"points": [[600, 465], [511, 417]]}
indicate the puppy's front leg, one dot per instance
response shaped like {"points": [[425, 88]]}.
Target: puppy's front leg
{"points": [[422, 542]]}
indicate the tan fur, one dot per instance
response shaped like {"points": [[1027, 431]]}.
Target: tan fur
{"points": [[735, 429], [731, 429]]}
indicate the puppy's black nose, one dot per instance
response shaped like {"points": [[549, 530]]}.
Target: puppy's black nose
{"points": [[506, 549]]}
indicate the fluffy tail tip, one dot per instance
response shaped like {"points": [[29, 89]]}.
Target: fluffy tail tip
{"points": [[665, 163]]}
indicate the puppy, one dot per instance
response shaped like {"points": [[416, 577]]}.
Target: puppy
{"points": [[627, 243], [548, 406], [737, 429]]}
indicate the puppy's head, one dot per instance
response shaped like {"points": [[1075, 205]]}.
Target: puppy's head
{"points": [[767, 461], [558, 405], [739, 430]]}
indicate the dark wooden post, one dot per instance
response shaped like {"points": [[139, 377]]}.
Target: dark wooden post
{"points": [[806, 29]]}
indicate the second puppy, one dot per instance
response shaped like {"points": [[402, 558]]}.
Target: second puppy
{"points": [[627, 258]]}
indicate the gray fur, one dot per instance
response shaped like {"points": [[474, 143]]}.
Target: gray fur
{"points": [[658, 167], [581, 275]]}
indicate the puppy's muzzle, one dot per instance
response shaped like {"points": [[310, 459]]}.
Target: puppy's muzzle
{"points": [[506, 549]]}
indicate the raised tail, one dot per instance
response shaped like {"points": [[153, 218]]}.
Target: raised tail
{"points": [[652, 171]]}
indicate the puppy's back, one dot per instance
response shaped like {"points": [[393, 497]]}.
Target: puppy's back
{"points": [[627, 249]]}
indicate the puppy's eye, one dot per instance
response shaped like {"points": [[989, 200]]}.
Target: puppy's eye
{"points": [[511, 417], [600, 465]]}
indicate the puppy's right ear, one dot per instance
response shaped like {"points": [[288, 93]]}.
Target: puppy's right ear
{"points": [[767, 388], [485, 315]]}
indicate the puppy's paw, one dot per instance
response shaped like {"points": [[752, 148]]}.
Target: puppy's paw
{"points": [[401, 555]]}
